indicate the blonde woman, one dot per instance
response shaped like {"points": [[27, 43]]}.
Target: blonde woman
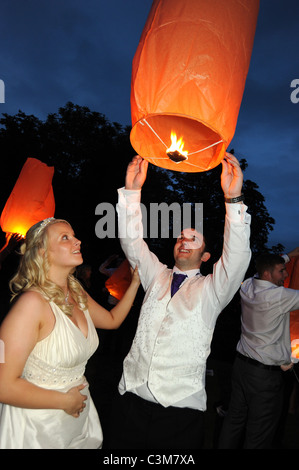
{"points": [[48, 336]]}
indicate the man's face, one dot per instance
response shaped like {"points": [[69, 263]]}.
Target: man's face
{"points": [[188, 251], [278, 275]]}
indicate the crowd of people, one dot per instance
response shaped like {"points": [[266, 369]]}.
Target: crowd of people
{"points": [[50, 333]]}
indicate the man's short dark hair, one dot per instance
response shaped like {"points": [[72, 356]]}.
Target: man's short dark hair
{"points": [[267, 262]]}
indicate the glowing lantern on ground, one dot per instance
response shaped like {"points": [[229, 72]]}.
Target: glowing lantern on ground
{"points": [[118, 283], [293, 283], [31, 199], [188, 78]]}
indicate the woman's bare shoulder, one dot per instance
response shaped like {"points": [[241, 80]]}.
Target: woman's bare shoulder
{"points": [[32, 297], [31, 305]]}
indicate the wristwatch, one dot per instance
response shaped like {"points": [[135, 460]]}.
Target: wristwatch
{"points": [[233, 200]]}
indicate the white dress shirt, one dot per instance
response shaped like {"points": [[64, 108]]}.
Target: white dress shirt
{"points": [[167, 359]]}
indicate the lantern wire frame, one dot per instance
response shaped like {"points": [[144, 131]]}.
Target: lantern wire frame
{"points": [[166, 146]]}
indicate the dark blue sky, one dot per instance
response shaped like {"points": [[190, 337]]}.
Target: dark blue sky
{"points": [[56, 51]]}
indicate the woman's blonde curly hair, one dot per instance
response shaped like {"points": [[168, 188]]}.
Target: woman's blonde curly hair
{"points": [[34, 268]]}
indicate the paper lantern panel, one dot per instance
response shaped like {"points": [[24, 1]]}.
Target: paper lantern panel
{"points": [[293, 283], [31, 199], [118, 283], [188, 77]]}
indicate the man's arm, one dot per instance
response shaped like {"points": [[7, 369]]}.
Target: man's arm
{"points": [[229, 271], [130, 223]]}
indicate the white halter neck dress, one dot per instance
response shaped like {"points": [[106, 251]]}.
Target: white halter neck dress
{"points": [[57, 363]]}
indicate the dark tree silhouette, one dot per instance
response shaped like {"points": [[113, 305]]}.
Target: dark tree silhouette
{"points": [[90, 155]]}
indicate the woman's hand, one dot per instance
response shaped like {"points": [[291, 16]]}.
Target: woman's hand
{"points": [[75, 401]]}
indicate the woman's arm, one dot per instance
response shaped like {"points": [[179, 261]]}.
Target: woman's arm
{"points": [[20, 331], [112, 319]]}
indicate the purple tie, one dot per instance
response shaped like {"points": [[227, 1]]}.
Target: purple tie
{"points": [[176, 282]]}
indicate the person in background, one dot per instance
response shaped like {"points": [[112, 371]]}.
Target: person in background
{"points": [[11, 243], [263, 353], [83, 274]]}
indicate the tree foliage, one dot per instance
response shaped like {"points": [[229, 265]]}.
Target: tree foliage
{"points": [[90, 155]]}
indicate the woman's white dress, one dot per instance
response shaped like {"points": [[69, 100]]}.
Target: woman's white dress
{"points": [[57, 363]]}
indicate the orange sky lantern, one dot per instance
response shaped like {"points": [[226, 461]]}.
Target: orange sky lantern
{"points": [[188, 78], [293, 283], [31, 199], [118, 283]]}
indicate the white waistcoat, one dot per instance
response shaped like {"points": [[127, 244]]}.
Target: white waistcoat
{"points": [[171, 345]]}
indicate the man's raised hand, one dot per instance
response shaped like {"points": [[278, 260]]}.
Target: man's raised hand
{"points": [[136, 173]]}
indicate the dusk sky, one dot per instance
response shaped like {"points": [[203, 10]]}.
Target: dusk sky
{"points": [[57, 51]]}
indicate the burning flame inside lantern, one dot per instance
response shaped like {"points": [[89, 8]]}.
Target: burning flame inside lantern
{"points": [[176, 151]]}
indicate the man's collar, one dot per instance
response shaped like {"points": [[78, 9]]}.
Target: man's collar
{"points": [[189, 273]]}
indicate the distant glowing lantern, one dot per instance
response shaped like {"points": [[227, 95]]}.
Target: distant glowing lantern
{"points": [[118, 283], [188, 78], [31, 199], [293, 283]]}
